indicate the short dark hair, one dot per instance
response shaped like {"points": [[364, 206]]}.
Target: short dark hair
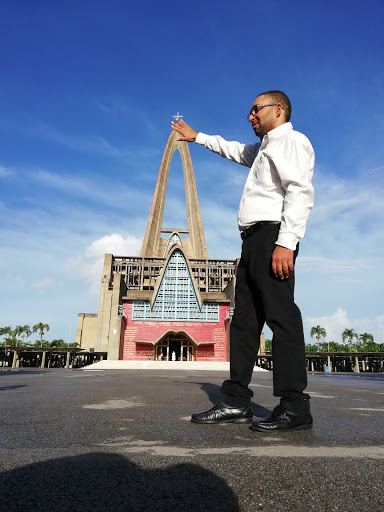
{"points": [[280, 97]]}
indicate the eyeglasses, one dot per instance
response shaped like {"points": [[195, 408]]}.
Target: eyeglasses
{"points": [[255, 109]]}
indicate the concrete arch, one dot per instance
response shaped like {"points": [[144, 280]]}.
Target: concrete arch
{"points": [[152, 244], [177, 333]]}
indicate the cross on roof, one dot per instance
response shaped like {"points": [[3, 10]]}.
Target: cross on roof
{"points": [[177, 117]]}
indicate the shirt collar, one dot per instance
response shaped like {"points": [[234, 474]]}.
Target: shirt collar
{"points": [[276, 133]]}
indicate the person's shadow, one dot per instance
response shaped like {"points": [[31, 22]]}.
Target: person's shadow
{"points": [[110, 482], [214, 396]]}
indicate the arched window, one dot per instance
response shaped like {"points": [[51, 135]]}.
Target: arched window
{"points": [[174, 239]]}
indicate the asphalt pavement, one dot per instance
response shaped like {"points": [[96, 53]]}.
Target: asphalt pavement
{"points": [[122, 440]]}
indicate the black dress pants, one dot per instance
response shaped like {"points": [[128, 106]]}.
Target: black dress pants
{"points": [[262, 298]]}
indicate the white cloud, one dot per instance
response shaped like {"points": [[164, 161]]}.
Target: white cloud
{"points": [[103, 192], [112, 108], [19, 280], [43, 284], [90, 264], [335, 324], [114, 244], [333, 266], [91, 144], [4, 172]]}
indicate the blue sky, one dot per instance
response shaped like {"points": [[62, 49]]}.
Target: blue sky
{"points": [[87, 93]]}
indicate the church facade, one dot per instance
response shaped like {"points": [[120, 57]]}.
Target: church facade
{"points": [[172, 302]]}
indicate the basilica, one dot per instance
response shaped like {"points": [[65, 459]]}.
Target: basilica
{"points": [[172, 302]]}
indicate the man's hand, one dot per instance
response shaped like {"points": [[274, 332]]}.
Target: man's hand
{"points": [[282, 262], [188, 133]]}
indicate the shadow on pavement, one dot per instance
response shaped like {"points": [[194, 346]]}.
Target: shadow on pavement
{"points": [[101, 482], [21, 371], [8, 388]]}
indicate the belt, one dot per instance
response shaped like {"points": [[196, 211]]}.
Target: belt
{"points": [[256, 227]]}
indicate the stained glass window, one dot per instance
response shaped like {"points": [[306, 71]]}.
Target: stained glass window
{"points": [[176, 297], [175, 239]]}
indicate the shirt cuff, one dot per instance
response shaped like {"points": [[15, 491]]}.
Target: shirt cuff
{"points": [[201, 138], [288, 240]]}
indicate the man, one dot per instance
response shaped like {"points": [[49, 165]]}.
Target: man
{"points": [[276, 201]]}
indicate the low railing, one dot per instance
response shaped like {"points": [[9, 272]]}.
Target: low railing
{"points": [[357, 362], [47, 357]]}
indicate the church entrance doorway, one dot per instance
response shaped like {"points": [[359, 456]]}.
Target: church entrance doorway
{"points": [[177, 344]]}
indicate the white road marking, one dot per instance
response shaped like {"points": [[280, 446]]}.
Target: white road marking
{"points": [[115, 404], [138, 444], [282, 451], [366, 409], [312, 393], [316, 395]]}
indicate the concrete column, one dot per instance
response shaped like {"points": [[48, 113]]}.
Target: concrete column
{"points": [[357, 369], [15, 358], [329, 364], [42, 360], [67, 361]]}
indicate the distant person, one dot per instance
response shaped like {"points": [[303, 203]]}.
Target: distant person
{"points": [[276, 201]]}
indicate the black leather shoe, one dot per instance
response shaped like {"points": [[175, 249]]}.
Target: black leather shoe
{"points": [[280, 419], [223, 413]]}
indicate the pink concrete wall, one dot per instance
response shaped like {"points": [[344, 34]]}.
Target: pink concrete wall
{"points": [[201, 332]]}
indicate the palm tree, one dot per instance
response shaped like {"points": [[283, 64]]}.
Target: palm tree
{"points": [[350, 335], [7, 331], [58, 343], [22, 330], [25, 331], [367, 341], [320, 332], [40, 327]]}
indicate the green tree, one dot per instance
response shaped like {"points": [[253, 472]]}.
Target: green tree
{"points": [[6, 332], [41, 343], [57, 343], [350, 335], [16, 334], [318, 332], [336, 347], [61, 343], [24, 331], [367, 341], [40, 327], [268, 345]]}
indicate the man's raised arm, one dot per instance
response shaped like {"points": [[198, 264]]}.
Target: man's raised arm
{"points": [[240, 153], [188, 133]]}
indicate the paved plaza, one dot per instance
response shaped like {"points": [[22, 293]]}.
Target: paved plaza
{"points": [[121, 440]]}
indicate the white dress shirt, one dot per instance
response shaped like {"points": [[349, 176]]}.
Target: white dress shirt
{"points": [[278, 186]]}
